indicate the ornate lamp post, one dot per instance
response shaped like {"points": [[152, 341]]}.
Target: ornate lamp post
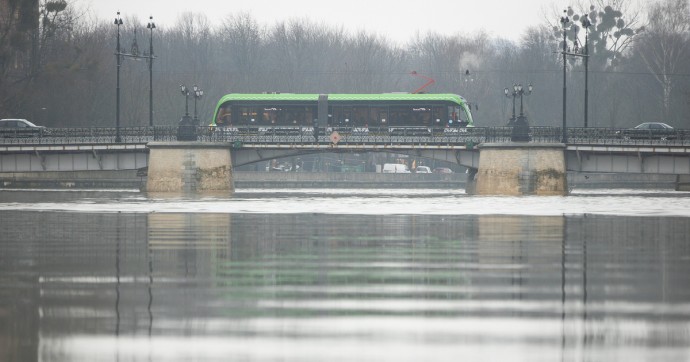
{"points": [[186, 130], [564, 20], [521, 131], [576, 53], [185, 92], [586, 24], [151, 25], [512, 94], [134, 54], [118, 22], [522, 92], [197, 93]]}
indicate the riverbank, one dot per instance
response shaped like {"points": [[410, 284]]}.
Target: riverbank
{"points": [[250, 179]]}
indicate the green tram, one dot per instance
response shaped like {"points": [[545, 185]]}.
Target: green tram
{"points": [[392, 113]]}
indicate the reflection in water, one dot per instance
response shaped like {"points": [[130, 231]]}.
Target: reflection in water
{"points": [[180, 286], [117, 276]]}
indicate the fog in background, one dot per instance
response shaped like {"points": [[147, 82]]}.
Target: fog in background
{"points": [[58, 68]]}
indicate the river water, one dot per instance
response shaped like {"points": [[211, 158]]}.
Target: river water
{"points": [[344, 275]]}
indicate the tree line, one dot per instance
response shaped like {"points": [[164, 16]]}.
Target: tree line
{"points": [[58, 69]]}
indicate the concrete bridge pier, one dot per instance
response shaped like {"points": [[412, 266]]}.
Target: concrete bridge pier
{"points": [[521, 169], [189, 167], [682, 182], [471, 183]]}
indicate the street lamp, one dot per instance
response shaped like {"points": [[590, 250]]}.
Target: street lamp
{"points": [[118, 22], [134, 54], [586, 24], [197, 93], [576, 53], [185, 92], [186, 130], [564, 20], [522, 92], [151, 25], [521, 131], [512, 94]]}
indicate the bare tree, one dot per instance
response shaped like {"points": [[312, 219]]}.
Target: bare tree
{"points": [[243, 41], [289, 44], [540, 65], [614, 25], [373, 65], [18, 27], [665, 47], [75, 81]]}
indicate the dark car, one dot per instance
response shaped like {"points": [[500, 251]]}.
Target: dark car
{"points": [[650, 131], [20, 128]]}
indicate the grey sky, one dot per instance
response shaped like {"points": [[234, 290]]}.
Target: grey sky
{"points": [[397, 20]]}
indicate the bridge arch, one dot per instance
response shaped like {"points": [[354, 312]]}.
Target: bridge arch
{"points": [[247, 156]]}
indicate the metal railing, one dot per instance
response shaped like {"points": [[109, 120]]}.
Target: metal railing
{"points": [[304, 136], [86, 135]]}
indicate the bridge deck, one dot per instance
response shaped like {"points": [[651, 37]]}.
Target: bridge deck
{"points": [[587, 149]]}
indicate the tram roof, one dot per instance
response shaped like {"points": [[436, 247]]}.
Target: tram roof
{"points": [[343, 97]]}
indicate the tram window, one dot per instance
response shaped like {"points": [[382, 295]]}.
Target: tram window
{"points": [[295, 115], [422, 115], [411, 115], [334, 115], [285, 115], [383, 116], [394, 115], [346, 117], [248, 114], [440, 114], [452, 113], [461, 115], [270, 115], [290, 115], [310, 115], [401, 116], [361, 115], [376, 114], [342, 116], [224, 116]]}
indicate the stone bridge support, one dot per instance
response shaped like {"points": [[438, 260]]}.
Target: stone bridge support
{"points": [[682, 182], [521, 169], [189, 167]]}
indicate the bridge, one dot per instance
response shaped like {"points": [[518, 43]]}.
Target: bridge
{"points": [[93, 149]]}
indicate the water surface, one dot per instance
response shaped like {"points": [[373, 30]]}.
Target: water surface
{"points": [[349, 275]]}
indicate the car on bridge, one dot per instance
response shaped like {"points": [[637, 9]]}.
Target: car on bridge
{"points": [[442, 170], [16, 127], [395, 168], [649, 131]]}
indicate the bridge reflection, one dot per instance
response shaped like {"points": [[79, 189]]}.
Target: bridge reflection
{"points": [[209, 274]]}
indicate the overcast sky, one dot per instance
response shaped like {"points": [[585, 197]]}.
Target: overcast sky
{"points": [[397, 20]]}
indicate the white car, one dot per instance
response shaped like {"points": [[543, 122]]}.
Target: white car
{"points": [[422, 169], [395, 168]]}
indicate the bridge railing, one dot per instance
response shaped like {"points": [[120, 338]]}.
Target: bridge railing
{"points": [[94, 135], [342, 136], [617, 136], [356, 136]]}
